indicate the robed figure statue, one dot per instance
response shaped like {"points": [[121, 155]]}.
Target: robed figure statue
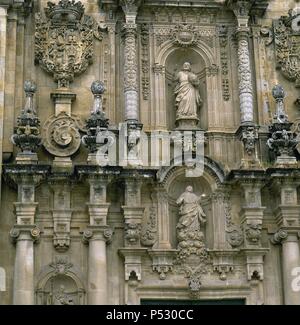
{"points": [[187, 93]]}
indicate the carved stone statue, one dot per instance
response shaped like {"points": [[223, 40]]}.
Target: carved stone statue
{"points": [[191, 212], [189, 235], [62, 298], [187, 93]]}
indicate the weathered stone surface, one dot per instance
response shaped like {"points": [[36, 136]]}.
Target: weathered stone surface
{"points": [[84, 231]]}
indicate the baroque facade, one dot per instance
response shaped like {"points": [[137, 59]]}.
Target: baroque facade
{"points": [[77, 229]]}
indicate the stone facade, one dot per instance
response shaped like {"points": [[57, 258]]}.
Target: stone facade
{"points": [[75, 229]]}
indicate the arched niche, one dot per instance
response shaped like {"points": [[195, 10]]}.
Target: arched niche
{"points": [[175, 182], [174, 64], [168, 60], [59, 284]]}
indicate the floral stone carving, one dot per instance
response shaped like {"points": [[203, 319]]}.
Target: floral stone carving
{"points": [[64, 40], [61, 135]]}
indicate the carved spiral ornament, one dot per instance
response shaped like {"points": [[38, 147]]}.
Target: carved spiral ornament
{"points": [[61, 135]]}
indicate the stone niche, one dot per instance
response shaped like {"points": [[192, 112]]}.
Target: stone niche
{"points": [[174, 64], [201, 188], [59, 284]]}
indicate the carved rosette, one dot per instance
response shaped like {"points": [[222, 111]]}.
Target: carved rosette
{"points": [[61, 135], [64, 40]]}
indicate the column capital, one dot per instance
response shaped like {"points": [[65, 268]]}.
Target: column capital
{"points": [[130, 8], [24, 232], [103, 233], [241, 8]]}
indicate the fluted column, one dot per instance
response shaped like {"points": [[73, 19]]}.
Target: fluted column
{"points": [[97, 235], [129, 29]]}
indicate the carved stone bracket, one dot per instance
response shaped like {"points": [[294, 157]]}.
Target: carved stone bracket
{"points": [[255, 263], [133, 262], [248, 135], [133, 219], [162, 261], [223, 262]]}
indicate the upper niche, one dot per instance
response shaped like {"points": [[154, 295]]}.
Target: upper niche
{"points": [[173, 65]]}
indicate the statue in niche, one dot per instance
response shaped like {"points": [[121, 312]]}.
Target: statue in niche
{"points": [[189, 234], [190, 211], [62, 298], [187, 93]]}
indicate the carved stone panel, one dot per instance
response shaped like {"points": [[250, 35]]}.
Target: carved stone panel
{"points": [[64, 40]]}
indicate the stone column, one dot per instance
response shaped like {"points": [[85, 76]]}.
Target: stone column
{"points": [[129, 29], [241, 10], [24, 234], [248, 131], [23, 287], [96, 237], [3, 22], [288, 221], [97, 234]]}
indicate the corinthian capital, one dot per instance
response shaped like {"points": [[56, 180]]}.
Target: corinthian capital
{"points": [[241, 9]]}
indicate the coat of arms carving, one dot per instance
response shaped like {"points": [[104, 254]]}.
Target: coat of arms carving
{"points": [[285, 34], [64, 40]]}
